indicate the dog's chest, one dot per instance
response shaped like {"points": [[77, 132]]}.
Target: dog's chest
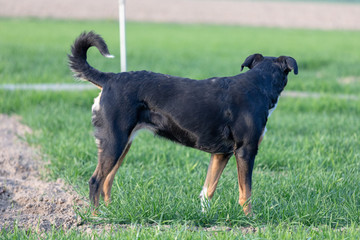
{"points": [[271, 110]]}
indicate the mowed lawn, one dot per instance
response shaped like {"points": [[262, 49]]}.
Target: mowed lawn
{"points": [[306, 176]]}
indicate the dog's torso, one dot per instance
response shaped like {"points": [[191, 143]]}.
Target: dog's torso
{"points": [[211, 115]]}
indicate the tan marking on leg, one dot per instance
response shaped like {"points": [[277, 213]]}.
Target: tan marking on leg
{"points": [[110, 177], [95, 191], [260, 140], [96, 183], [245, 202], [215, 169], [244, 186]]}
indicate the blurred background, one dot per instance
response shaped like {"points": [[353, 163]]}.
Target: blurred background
{"points": [[321, 14], [307, 170]]}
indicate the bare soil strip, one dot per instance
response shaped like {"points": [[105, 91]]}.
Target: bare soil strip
{"points": [[26, 199]]}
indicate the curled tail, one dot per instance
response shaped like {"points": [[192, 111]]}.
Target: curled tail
{"points": [[77, 59]]}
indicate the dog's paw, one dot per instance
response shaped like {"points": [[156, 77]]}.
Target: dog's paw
{"points": [[205, 206], [205, 203]]}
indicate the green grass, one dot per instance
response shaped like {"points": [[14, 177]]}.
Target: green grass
{"points": [[184, 232], [305, 182], [328, 60]]}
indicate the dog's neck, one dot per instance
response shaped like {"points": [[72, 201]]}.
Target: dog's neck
{"points": [[272, 89]]}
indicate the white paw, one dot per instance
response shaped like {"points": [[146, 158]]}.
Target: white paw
{"points": [[205, 202]]}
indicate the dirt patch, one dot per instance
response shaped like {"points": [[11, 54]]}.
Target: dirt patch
{"points": [[26, 199]]}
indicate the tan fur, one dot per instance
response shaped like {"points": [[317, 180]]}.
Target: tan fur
{"points": [[216, 167], [244, 185], [110, 177]]}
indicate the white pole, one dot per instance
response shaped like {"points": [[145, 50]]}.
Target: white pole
{"points": [[122, 35]]}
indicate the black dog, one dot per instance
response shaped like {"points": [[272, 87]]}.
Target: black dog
{"points": [[222, 116]]}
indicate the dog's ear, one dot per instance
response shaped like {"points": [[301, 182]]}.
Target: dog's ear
{"points": [[287, 64], [252, 60]]}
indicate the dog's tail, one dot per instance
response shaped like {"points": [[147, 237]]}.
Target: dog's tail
{"points": [[77, 59]]}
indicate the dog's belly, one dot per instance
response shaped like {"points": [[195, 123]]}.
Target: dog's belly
{"points": [[201, 143], [216, 140]]}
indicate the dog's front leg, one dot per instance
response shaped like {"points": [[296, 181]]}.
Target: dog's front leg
{"points": [[245, 157], [216, 167]]}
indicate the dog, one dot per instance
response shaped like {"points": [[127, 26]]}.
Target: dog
{"points": [[223, 116]]}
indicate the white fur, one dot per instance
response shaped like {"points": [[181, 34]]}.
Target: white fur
{"points": [[97, 141], [265, 130], [96, 105], [271, 110], [274, 107], [109, 56], [205, 202]]}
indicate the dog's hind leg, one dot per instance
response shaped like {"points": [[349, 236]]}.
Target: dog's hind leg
{"points": [[216, 167], [245, 157], [110, 177], [109, 154]]}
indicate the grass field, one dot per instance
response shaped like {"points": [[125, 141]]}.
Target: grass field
{"points": [[306, 177]]}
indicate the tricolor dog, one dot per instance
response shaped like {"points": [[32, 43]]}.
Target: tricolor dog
{"points": [[223, 116]]}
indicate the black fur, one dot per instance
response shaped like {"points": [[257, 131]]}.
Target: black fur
{"points": [[217, 115], [78, 63]]}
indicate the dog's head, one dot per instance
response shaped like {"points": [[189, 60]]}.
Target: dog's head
{"points": [[284, 63]]}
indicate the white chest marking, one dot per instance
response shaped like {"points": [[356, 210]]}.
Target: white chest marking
{"points": [[271, 110]]}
